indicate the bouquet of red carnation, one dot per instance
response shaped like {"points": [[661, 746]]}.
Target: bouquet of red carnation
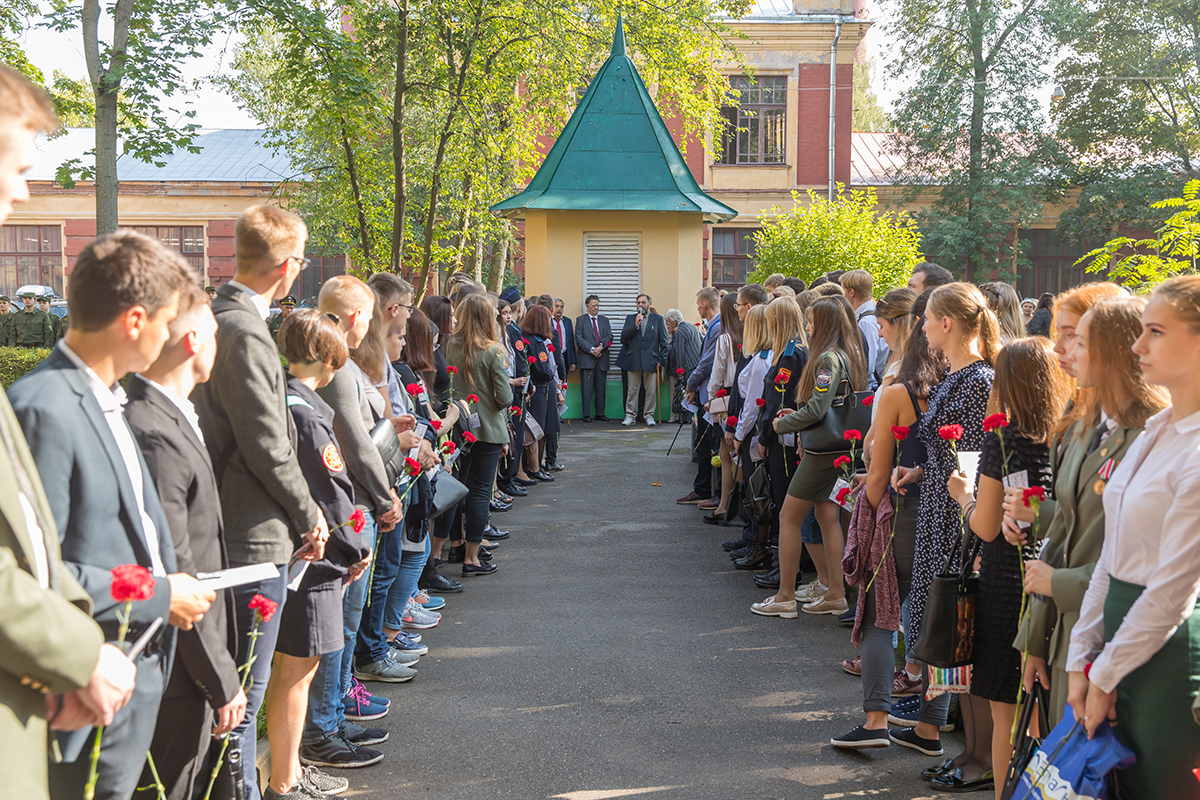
{"points": [[679, 371]]}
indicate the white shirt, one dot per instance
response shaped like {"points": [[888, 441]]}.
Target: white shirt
{"points": [[262, 304], [183, 404], [750, 386], [112, 401], [37, 542], [724, 366], [1151, 516], [877, 349]]}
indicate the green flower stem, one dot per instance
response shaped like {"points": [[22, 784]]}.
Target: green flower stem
{"points": [[247, 682], [89, 788]]}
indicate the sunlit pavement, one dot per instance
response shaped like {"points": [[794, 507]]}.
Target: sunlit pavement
{"points": [[614, 655]]}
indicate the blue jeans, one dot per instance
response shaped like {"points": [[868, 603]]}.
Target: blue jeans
{"points": [[412, 563], [260, 671], [326, 714], [810, 531], [372, 645]]}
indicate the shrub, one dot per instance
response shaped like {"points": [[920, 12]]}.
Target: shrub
{"points": [[15, 362], [848, 233]]}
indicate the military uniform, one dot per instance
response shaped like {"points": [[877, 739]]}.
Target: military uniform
{"points": [[816, 476], [55, 324], [5, 321], [276, 322], [31, 329]]}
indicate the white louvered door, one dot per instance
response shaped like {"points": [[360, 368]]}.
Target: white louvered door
{"points": [[612, 270]]}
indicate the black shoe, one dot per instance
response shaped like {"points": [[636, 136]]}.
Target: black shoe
{"points": [[554, 467], [953, 781], [758, 558], [485, 554], [457, 554], [542, 475], [586, 419], [472, 571], [733, 544], [439, 583], [515, 491], [846, 620], [338, 753], [496, 505], [495, 535], [742, 552], [520, 482], [941, 769], [602, 418], [503, 497], [860, 738], [772, 576], [907, 737], [360, 736], [716, 519]]}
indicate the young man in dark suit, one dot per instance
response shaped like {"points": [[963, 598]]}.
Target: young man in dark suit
{"points": [[593, 338], [251, 437], [204, 679], [124, 293], [644, 344]]}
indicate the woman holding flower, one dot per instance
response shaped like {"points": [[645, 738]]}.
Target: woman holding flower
{"points": [[835, 338], [544, 378], [744, 427], [1030, 392], [1135, 651]]}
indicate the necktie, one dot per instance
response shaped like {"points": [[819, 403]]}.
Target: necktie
{"points": [[1097, 437], [596, 330], [26, 486]]}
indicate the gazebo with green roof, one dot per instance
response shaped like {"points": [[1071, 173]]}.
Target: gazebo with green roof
{"points": [[614, 210]]}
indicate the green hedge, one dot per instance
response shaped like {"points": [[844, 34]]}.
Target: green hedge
{"points": [[16, 361]]}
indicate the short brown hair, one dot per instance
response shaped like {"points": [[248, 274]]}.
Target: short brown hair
{"points": [[753, 293], [1030, 387], [309, 337], [191, 297], [829, 289], [118, 271], [710, 295], [24, 104], [265, 237], [389, 287], [860, 281]]}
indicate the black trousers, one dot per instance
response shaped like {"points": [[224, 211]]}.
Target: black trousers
{"points": [[180, 746], [478, 468], [705, 445], [592, 385]]}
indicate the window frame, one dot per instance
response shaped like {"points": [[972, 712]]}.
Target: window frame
{"points": [[742, 261], [50, 262], [753, 121]]}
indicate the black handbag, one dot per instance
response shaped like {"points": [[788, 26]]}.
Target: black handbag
{"points": [[1025, 745], [757, 504], [947, 636], [383, 436], [848, 412]]}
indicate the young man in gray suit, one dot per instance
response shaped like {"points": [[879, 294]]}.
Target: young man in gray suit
{"points": [[251, 436], [124, 293], [593, 338], [204, 679]]}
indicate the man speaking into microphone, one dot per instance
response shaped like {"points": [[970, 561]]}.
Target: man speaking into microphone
{"points": [[644, 348]]}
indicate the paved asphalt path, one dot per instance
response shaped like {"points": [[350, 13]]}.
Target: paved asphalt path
{"points": [[613, 655]]}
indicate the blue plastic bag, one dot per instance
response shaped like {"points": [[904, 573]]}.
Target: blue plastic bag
{"points": [[1070, 766]]}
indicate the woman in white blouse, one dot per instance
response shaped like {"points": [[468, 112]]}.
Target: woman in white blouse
{"points": [[729, 347], [1138, 627]]}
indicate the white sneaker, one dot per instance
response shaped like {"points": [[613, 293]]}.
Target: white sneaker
{"points": [[628, 421], [813, 590], [651, 422]]}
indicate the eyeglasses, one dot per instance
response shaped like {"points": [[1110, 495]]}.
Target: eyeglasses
{"points": [[304, 262]]}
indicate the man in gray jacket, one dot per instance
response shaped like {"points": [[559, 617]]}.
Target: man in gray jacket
{"points": [[250, 436]]}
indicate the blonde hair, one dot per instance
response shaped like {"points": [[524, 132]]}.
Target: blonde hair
{"points": [[1004, 301], [755, 336], [1115, 323], [343, 294], [371, 353], [829, 289], [896, 307], [966, 305], [1183, 295], [774, 280], [860, 281], [783, 291], [1085, 405], [785, 322], [265, 237], [25, 105]]}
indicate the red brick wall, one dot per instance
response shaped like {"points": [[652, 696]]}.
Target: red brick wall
{"points": [[812, 158], [220, 251], [76, 234]]}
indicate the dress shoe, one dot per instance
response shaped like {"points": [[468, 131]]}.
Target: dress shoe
{"points": [[734, 544], [522, 482], [953, 781], [586, 419], [772, 576], [740, 553], [472, 571], [457, 555], [437, 582], [554, 467], [495, 535], [542, 475], [941, 769], [497, 505], [602, 418], [516, 491], [758, 558], [715, 519], [485, 554]]}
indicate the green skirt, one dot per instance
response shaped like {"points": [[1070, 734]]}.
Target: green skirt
{"points": [[1154, 708], [815, 478]]}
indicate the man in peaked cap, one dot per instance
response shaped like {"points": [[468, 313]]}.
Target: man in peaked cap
{"points": [[31, 327], [43, 304], [212, 291], [285, 308]]}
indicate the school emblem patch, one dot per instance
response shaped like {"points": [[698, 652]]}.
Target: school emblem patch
{"points": [[824, 378], [332, 458], [519, 344], [542, 355]]}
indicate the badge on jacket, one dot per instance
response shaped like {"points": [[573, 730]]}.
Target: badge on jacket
{"points": [[824, 378], [332, 458], [542, 355], [1105, 472], [519, 344]]}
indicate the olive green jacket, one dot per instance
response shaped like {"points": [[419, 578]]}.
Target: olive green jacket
{"points": [[489, 381], [48, 641], [31, 328], [1073, 541], [829, 373]]}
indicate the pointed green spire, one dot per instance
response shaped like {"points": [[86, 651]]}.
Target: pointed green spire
{"points": [[618, 45]]}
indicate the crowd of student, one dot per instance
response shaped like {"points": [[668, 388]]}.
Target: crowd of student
{"points": [[201, 520], [1078, 527]]}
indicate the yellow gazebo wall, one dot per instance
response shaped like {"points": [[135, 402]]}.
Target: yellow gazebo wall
{"points": [[671, 272]]}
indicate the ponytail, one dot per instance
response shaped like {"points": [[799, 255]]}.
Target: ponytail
{"points": [[966, 305]]}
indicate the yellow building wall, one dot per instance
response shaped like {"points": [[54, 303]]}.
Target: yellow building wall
{"points": [[671, 255]]}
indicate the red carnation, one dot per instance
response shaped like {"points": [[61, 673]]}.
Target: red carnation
{"points": [[263, 607], [469, 437], [841, 461], [131, 582], [532, 360], [414, 389], [472, 398], [951, 433], [436, 423], [995, 421], [842, 494], [453, 370], [869, 400], [899, 432], [1036, 494], [449, 447], [550, 348], [760, 402], [852, 435], [515, 410], [412, 467], [359, 520], [679, 371], [783, 376], [732, 421], [721, 393]]}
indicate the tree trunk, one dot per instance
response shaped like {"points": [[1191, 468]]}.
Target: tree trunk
{"points": [[400, 198], [477, 272], [364, 233], [499, 262], [106, 86], [975, 201]]}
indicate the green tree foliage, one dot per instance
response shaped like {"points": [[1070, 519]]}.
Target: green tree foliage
{"points": [[1138, 141], [405, 124], [847, 233], [868, 114], [973, 139], [1142, 263]]}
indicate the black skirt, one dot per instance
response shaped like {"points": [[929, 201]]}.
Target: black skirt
{"points": [[996, 674]]}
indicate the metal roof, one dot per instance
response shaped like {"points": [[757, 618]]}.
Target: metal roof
{"points": [[226, 156], [870, 160], [615, 153]]}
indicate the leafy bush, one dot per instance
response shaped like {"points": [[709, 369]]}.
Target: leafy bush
{"points": [[1152, 261], [847, 233], [16, 361]]}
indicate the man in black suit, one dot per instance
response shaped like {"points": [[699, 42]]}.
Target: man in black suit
{"points": [[593, 338], [250, 436], [564, 338], [644, 348], [124, 293], [204, 678]]}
